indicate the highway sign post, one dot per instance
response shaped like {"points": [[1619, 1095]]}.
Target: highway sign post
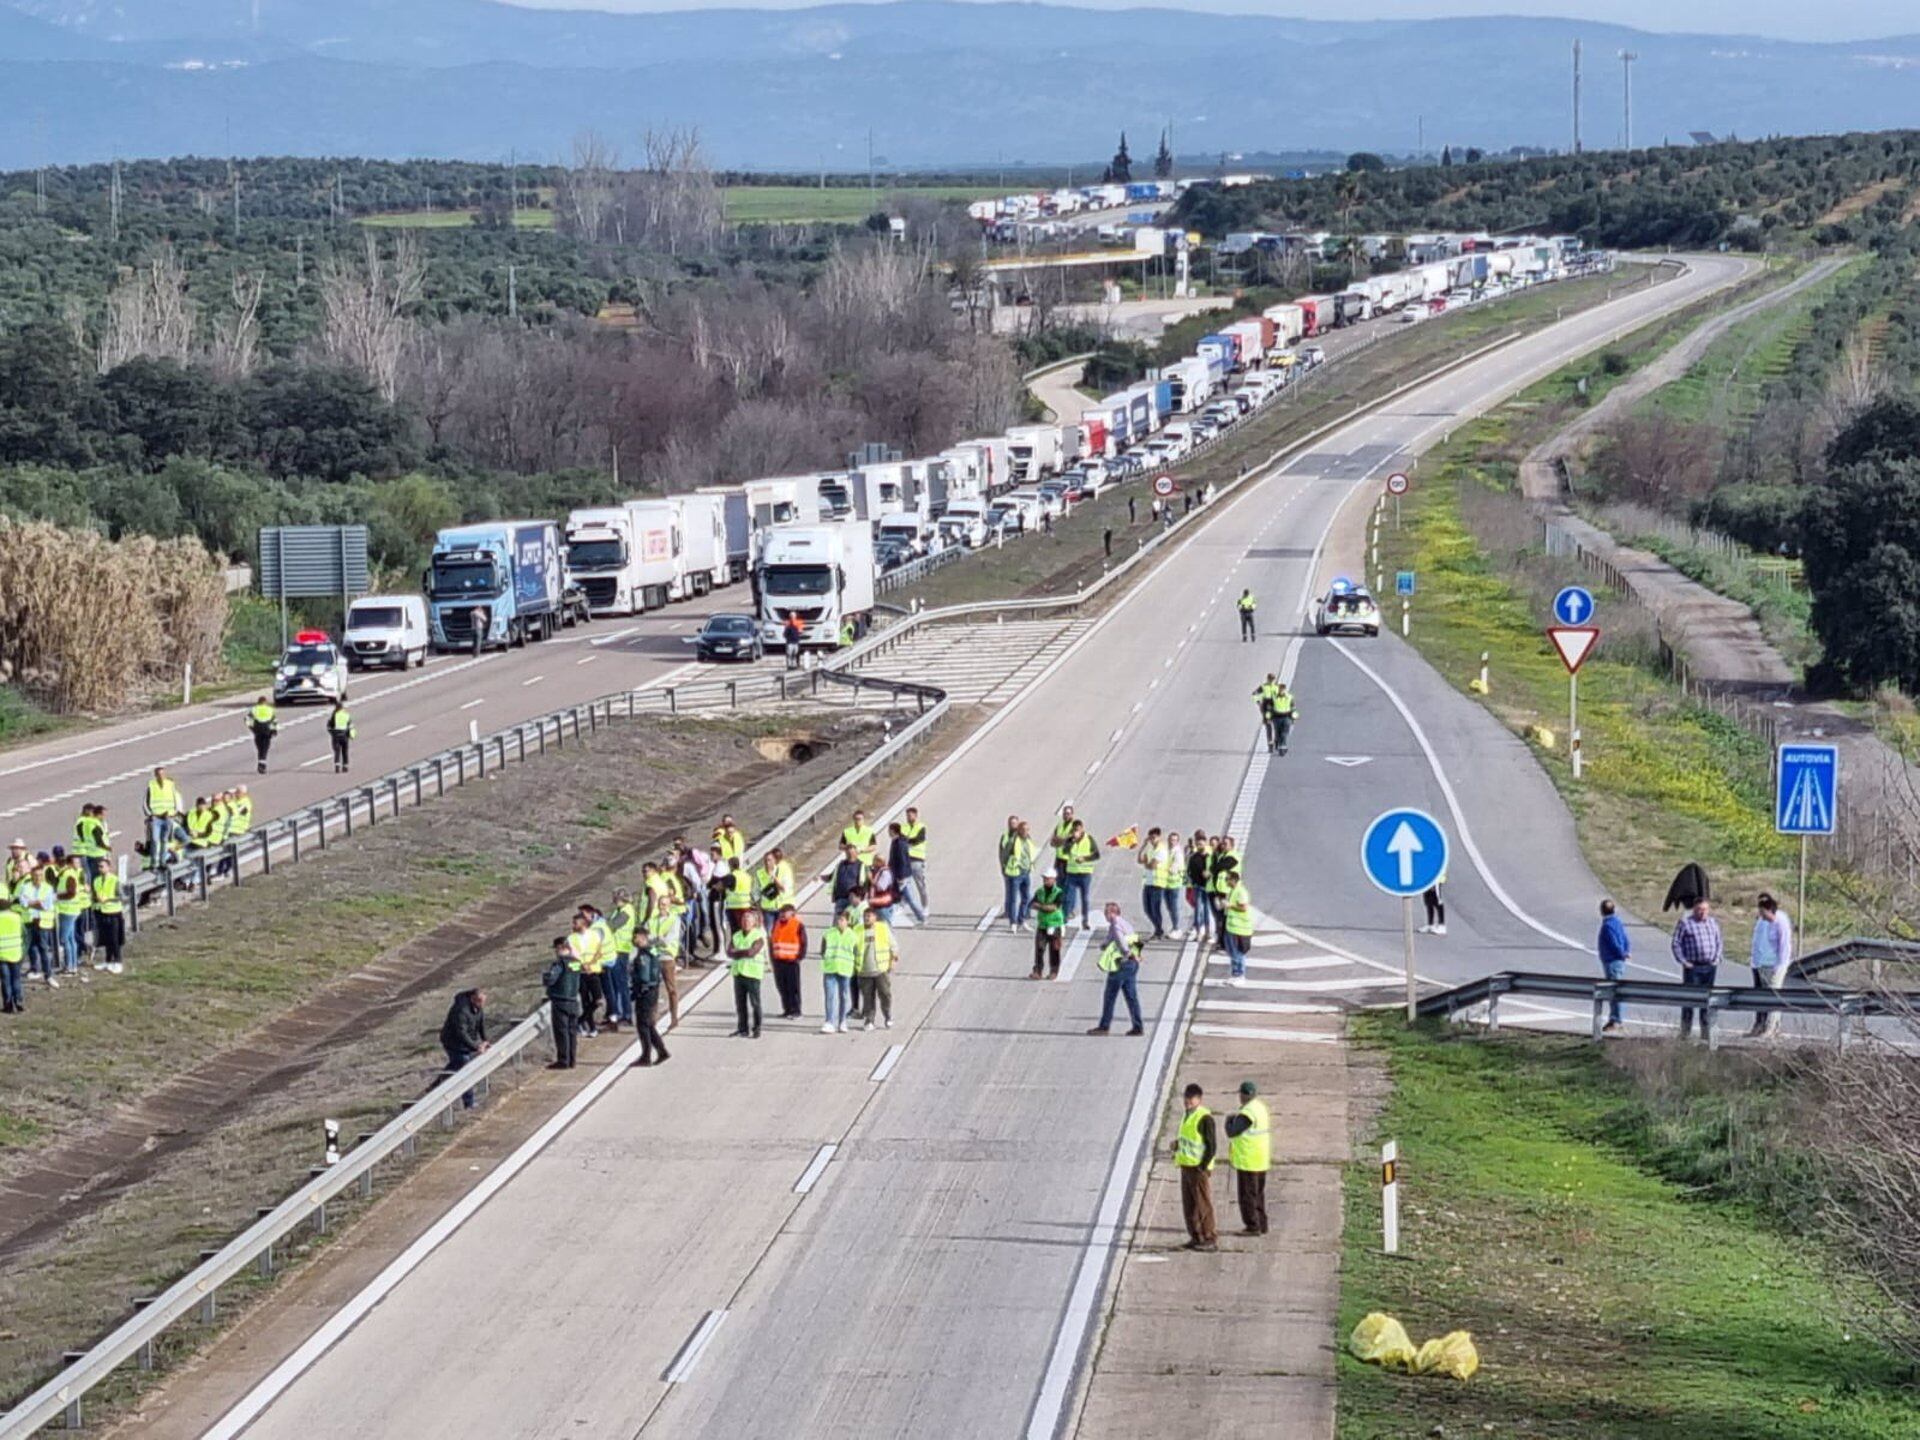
{"points": [[1573, 606], [1397, 485], [1806, 800], [1403, 582], [1403, 853], [1574, 643], [1163, 486]]}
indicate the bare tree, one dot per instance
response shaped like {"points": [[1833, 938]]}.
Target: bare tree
{"points": [[149, 313], [236, 335], [586, 186], [367, 309]]}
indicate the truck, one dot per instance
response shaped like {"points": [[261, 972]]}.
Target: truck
{"points": [[821, 573], [1191, 381], [882, 489], [1252, 339], [749, 509], [1096, 445], [1034, 453], [703, 558], [1140, 412], [994, 462], [623, 556], [1289, 323], [1223, 347], [1317, 313], [495, 584], [836, 496]]}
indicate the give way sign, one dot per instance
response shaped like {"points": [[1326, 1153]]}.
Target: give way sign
{"points": [[1574, 642]]}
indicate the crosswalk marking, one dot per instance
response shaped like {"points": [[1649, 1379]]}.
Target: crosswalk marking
{"points": [[1302, 962], [1356, 982], [1267, 1007], [1238, 1032]]}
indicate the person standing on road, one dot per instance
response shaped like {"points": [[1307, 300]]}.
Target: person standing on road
{"points": [[1245, 606], [561, 981], [1224, 870], [747, 959], [879, 953], [1265, 694], [1016, 871], [1199, 872], [1771, 956], [34, 897], [340, 732], [694, 869], [1082, 855], [914, 830], [719, 887], [1120, 959], [1283, 717], [793, 632], [1238, 923], [262, 722], [588, 947], [1614, 949], [1194, 1151], [1133, 510], [650, 967], [848, 878], [1250, 1153], [839, 957], [1152, 860], [1049, 909], [1697, 950], [787, 943], [463, 1034], [859, 834], [900, 861], [72, 898], [621, 923], [1435, 900], [774, 883]]}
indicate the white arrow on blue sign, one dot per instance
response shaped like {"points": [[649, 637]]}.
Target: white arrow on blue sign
{"points": [[1806, 790], [1573, 605], [1404, 852]]}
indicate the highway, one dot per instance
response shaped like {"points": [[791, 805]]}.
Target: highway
{"points": [[906, 1232]]}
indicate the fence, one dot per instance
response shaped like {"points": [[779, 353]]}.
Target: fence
{"points": [[195, 1296]]}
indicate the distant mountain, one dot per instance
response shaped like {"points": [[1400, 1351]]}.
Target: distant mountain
{"points": [[937, 82]]}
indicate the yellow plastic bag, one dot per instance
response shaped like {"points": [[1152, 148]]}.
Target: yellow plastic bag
{"points": [[1452, 1354], [1382, 1340]]}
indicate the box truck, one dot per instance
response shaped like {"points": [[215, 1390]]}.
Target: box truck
{"points": [[1289, 323], [623, 557], [1318, 313], [1033, 453], [495, 584], [821, 573], [703, 555]]}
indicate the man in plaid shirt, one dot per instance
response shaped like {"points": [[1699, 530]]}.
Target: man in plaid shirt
{"points": [[1697, 948]]}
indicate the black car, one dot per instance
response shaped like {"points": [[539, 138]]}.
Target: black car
{"points": [[729, 637]]}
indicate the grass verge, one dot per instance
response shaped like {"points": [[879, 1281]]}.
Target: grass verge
{"points": [[1605, 1298]]}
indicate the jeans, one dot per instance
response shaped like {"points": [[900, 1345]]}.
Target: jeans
{"points": [[918, 870], [746, 998], [1701, 975], [1616, 970], [1216, 907], [69, 930], [158, 828], [1236, 948], [1150, 902], [1170, 905], [1019, 894], [1081, 885], [41, 946], [839, 998], [1122, 981], [690, 927], [12, 996], [456, 1059], [618, 981]]}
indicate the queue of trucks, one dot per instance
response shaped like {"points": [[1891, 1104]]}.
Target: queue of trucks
{"points": [[812, 545]]}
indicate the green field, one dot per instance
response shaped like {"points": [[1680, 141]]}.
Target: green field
{"points": [[804, 204], [453, 219]]}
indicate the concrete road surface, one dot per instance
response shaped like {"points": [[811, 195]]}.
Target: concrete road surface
{"points": [[906, 1232]]}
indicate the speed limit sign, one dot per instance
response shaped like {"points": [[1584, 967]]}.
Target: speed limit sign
{"points": [[1397, 483], [1163, 486]]}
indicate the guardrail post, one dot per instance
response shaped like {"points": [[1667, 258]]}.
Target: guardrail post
{"points": [[70, 1417], [439, 776], [503, 753], [366, 1183], [419, 785], [346, 809], [1599, 1007], [1493, 1012], [232, 850], [480, 756], [210, 1307], [673, 701], [200, 871], [266, 854], [460, 763], [733, 695], [143, 1357], [265, 1263], [293, 826], [541, 730]]}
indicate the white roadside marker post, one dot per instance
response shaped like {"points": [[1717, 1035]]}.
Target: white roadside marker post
{"points": [[1390, 1195]]}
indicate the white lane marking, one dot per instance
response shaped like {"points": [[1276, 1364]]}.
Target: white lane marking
{"points": [[1075, 952], [586, 660], [616, 635], [1304, 987], [1274, 940], [256, 1400], [531, 680], [401, 731], [1136, 709], [946, 975], [1237, 1032], [1156, 683], [689, 1355], [1453, 806], [1265, 1007], [471, 703], [1316, 962], [1115, 737], [811, 1175], [887, 1062], [1093, 768], [315, 761], [986, 922]]}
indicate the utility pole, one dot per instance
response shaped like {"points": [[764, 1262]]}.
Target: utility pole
{"points": [[233, 179], [113, 202], [1576, 97], [1627, 57]]}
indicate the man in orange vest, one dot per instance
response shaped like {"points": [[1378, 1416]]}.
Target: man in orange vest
{"points": [[788, 943]]}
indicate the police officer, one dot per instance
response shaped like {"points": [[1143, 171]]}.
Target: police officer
{"points": [[562, 984], [1250, 1152], [650, 968], [262, 722], [747, 959], [1266, 695], [1245, 606], [1283, 714], [341, 732]]}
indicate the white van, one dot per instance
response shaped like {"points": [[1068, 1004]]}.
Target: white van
{"points": [[386, 630]]}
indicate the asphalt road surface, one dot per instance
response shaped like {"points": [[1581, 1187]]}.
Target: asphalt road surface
{"points": [[688, 1257]]}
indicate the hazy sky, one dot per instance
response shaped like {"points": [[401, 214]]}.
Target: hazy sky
{"points": [[1788, 19]]}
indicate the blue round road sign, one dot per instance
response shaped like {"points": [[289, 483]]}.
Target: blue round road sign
{"points": [[1573, 606], [1404, 852]]}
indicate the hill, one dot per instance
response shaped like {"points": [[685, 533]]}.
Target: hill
{"points": [[948, 82]]}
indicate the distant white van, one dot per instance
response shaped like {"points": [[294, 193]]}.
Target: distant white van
{"points": [[386, 631]]}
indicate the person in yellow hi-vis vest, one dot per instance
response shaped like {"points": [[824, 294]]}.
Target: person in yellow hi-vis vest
{"points": [[1250, 1152], [13, 959], [340, 733], [747, 959], [1194, 1150]]}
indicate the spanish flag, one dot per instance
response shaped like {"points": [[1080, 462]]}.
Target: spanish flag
{"points": [[1127, 839]]}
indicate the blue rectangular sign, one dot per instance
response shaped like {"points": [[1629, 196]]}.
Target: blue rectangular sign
{"points": [[1806, 794], [1403, 582]]}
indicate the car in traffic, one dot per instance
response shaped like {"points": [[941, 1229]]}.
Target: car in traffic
{"points": [[968, 530], [1346, 609], [728, 637], [890, 553], [311, 668]]}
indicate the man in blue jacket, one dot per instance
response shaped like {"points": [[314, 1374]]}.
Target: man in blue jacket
{"points": [[1614, 947]]}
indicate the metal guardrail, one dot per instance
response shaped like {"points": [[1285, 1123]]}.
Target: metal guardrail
{"points": [[196, 1294], [1858, 948], [1844, 1006]]}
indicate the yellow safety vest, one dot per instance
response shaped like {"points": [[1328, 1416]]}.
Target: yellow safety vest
{"points": [[1082, 855], [1283, 704], [1245, 602], [340, 722], [879, 949], [200, 827], [620, 927], [240, 816], [1161, 861], [748, 967], [13, 937], [89, 838], [1062, 833], [163, 797], [1239, 911], [1192, 1146], [1111, 955], [1267, 695], [586, 948], [222, 820], [77, 902], [733, 844], [916, 838], [262, 714], [1019, 854], [1252, 1148], [739, 889], [1218, 884], [664, 933], [842, 953], [36, 896], [106, 893], [860, 837]]}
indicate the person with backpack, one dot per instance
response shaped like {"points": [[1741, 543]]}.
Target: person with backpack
{"points": [[561, 981]]}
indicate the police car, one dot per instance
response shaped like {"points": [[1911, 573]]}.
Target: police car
{"points": [[311, 668], [1346, 606]]}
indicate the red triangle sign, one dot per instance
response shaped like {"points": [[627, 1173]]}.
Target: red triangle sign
{"points": [[1574, 642]]}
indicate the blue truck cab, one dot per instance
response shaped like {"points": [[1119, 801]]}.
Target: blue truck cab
{"points": [[495, 584]]}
